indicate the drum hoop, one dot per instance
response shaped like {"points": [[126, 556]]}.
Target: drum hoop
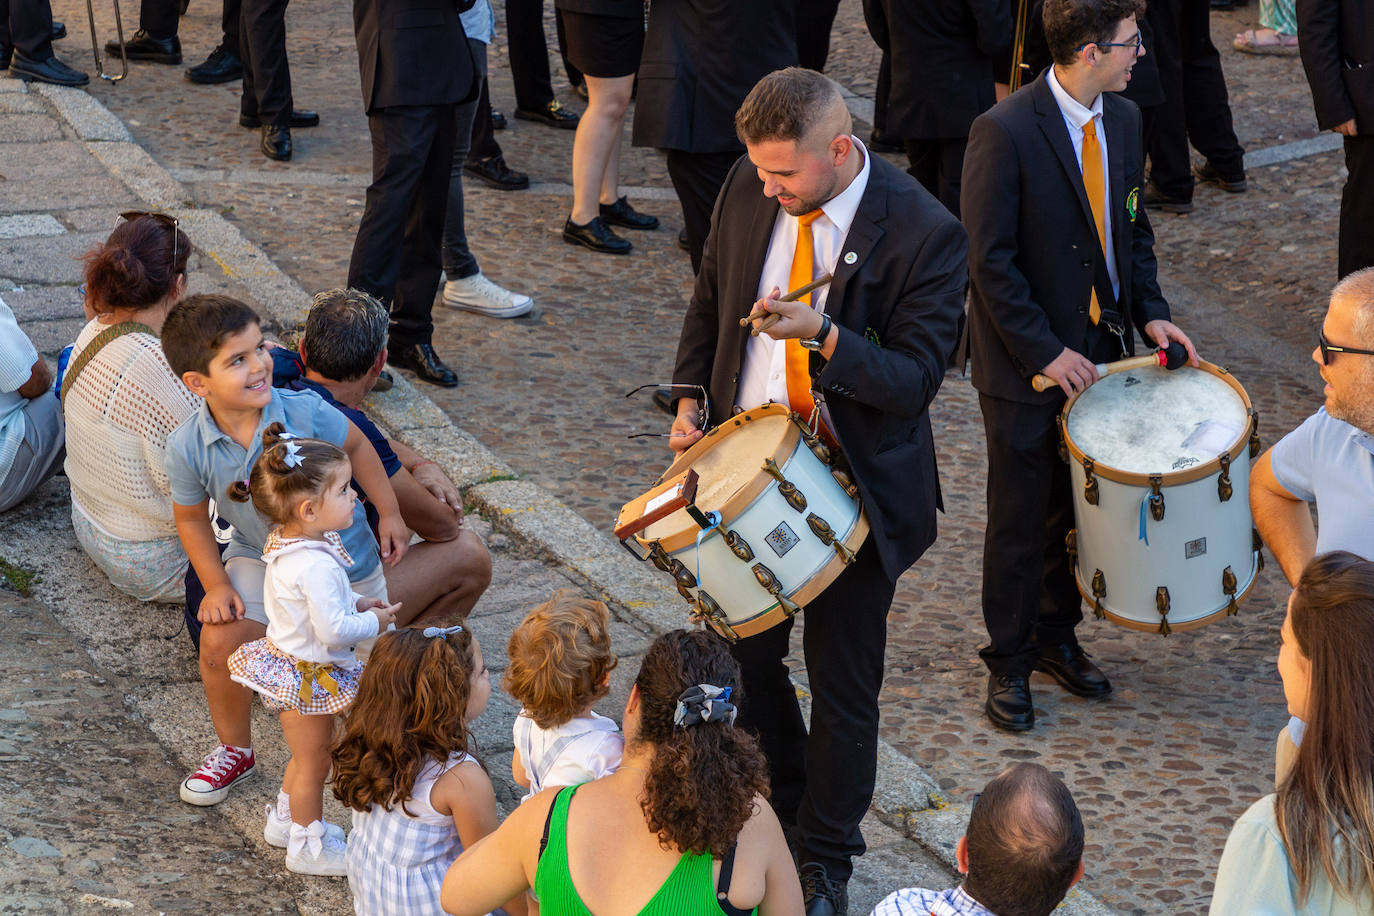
{"points": [[745, 495], [1167, 478], [1141, 626]]}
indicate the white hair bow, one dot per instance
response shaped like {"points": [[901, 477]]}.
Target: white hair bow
{"points": [[293, 457]]}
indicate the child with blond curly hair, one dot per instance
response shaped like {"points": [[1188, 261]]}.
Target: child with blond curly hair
{"points": [[560, 666]]}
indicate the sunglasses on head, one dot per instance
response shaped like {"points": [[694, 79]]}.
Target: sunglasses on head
{"points": [[170, 221], [1326, 348]]}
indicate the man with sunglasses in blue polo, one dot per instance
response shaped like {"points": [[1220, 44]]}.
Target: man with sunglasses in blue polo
{"points": [[1329, 459]]}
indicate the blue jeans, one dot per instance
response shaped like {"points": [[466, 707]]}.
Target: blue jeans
{"points": [[458, 260]]}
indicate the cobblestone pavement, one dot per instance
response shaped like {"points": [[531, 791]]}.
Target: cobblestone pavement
{"points": [[1185, 744]]}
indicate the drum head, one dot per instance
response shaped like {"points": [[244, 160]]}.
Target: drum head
{"points": [[726, 462], [1156, 421]]}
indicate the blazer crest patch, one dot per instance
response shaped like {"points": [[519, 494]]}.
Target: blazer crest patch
{"points": [[1133, 203], [872, 335]]}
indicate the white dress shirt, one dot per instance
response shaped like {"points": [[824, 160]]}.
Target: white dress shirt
{"points": [[763, 377], [1075, 116]]}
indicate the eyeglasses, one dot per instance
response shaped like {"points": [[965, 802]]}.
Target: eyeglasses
{"points": [[701, 398], [170, 221], [1133, 44], [1327, 348]]}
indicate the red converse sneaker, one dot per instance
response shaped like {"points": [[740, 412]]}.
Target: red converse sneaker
{"points": [[210, 784]]}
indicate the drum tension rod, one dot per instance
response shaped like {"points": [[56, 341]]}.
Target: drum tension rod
{"points": [[1257, 545], [1156, 497], [1099, 592], [786, 488], [822, 530], [709, 613], [1162, 603], [1090, 491], [1224, 481], [1228, 588], [1071, 546], [1254, 433], [771, 584]]}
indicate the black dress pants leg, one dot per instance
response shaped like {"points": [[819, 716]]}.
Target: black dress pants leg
{"points": [[529, 54], [26, 25], [698, 178], [484, 145], [412, 152], [1170, 168], [1207, 105], [938, 164], [815, 18], [229, 23], [159, 18], [1356, 246], [266, 74]]}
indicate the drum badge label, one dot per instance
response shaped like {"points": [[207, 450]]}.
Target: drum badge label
{"points": [[1194, 548], [782, 539], [1133, 203]]}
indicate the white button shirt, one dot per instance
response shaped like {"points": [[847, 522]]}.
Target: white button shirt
{"points": [[1075, 116], [763, 377]]}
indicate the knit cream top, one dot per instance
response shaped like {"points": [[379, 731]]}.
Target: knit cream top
{"points": [[119, 414]]}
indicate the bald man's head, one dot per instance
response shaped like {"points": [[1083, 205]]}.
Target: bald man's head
{"points": [[793, 104]]}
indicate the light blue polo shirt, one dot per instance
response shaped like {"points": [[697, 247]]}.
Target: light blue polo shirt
{"points": [[202, 462], [1331, 463]]}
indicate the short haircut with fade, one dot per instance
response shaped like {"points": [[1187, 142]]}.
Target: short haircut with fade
{"points": [[785, 105], [560, 655], [345, 332], [197, 327], [1025, 840], [1357, 290], [1071, 24]]}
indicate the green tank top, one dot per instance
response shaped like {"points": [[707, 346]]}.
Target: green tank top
{"points": [[689, 891]]}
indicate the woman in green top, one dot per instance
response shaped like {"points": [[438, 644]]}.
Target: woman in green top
{"points": [[683, 828], [1309, 849]]}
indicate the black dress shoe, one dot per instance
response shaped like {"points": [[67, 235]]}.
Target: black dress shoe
{"points": [[276, 143], [384, 382], [1209, 174], [145, 47], [425, 363], [1069, 665], [622, 214], [498, 120], [493, 171], [298, 119], [51, 70], [1154, 199], [59, 30], [219, 67], [821, 894], [682, 241], [552, 114], [1009, 703], [879, 143], [595, 235]]}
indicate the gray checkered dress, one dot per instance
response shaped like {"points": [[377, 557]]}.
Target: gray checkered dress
{"points": [[396, 863]]}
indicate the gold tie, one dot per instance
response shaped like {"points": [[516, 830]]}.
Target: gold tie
{"points": [[1096, 186], [798, 357]]}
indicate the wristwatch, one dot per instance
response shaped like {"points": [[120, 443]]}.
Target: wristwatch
{"points": [[815, 343]]}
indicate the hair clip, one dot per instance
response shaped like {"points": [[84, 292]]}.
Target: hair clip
{"points": [[247, 484], [293, 457], [704, 703], [284, 436], [442, 632]]}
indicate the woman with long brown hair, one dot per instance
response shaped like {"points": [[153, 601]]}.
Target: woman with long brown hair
{"points": [[1310, 848], [682, 827]]}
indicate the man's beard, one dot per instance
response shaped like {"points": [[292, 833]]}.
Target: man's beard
{"points": [[1355, 411]]}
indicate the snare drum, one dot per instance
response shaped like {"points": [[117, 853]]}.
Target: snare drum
{"points": [[771, 523], [1160, 462]]}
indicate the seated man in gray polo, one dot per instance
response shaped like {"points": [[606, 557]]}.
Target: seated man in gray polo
{"points": [[1328, 460], [1021, 853], [32, 443]]}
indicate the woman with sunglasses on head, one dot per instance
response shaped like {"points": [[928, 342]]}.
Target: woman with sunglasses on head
{"points": [[121, 400], [1309, 848]]}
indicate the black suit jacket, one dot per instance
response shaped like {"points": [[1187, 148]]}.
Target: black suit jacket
{"points": [[945, 55], [1336, 38], [1034, 255], [701, 58], [897, 307], [413, 52]]}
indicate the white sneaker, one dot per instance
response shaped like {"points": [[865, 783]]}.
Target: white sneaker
{"points": [[277, 831], [314, 851], [478, 294]]}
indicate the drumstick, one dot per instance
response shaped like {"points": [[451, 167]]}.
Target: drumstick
{"points": [[772, 318], [1170, 358]]}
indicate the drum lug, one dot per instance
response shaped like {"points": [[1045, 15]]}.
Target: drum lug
{"points": [[738, 545], [1228, 587], [786, 489], [771, 585], [1156, 497], [1071, 545], [1257, 545], [1254, 433], [821, 529], [1099, 592], [1063, 447], [1224, 481], [1090, 495], [659, 556], [1162, 603], [846, 482], [684, 576], [709, 613], [813, 442]]}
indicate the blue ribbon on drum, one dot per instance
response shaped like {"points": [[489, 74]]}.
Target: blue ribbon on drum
{"points": [[1146, 501], [715, 520]]}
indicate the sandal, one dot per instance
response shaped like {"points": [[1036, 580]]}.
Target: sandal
{"points": [[1266, 41]]}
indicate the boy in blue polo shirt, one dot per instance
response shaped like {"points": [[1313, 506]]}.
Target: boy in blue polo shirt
{"points": [[215, 344]]}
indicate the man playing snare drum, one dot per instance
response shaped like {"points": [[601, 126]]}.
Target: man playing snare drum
{"points": [[863, 358], [1062, 265]]}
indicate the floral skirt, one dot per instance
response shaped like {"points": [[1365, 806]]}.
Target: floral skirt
{"points": [[277, 676]]}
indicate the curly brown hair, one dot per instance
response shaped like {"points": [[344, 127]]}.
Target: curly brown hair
{"points": [[701, 787], [273, 485], [410, 709], [560, 656], [1071, 24]]}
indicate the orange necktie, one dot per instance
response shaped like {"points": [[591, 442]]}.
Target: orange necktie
{"points": [[1096, 187], [798, 357]]}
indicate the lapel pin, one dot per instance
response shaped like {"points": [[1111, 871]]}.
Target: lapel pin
{"points": [[850, 257]]}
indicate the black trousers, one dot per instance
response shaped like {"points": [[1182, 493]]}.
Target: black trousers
{"points": [[938, 165], [529, 53], [266, 74], [412, 153], [159, 18], [484, 145], [1196, 108], [698, 178], [1356, 247], [824, 783], [814, 21], [881, 93], [26, 25], [229, 23]]}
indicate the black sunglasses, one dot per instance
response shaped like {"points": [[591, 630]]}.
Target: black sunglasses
{"points": [[1327, 348], [1133, 44], [170, 221]]}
